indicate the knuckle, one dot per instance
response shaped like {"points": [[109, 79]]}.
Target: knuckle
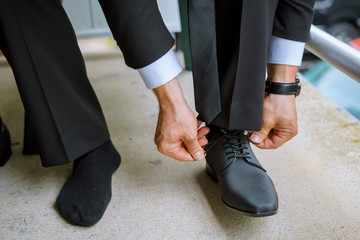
{"points": [[193, 148], [172, 151], [296, 131], [161, 147], [264, 132]]}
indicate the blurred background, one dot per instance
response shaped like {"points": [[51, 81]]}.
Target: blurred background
{"points": [[340, 18]]}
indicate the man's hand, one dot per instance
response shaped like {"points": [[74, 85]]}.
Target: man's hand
{"points": [[177, 133], [279, 123]]}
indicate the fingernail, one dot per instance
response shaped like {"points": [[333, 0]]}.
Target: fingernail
{"points": [[255, 138], [198, 156]]}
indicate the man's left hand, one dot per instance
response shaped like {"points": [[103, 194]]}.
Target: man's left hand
{"points": [[279, 123]]}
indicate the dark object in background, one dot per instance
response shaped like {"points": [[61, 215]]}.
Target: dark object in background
{"points": [[340, 18]]}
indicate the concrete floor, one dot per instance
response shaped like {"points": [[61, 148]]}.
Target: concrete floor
{"points": [[154, 197]]}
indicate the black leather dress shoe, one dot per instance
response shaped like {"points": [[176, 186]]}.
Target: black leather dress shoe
{"points": [[5, 146], [244, 183]]}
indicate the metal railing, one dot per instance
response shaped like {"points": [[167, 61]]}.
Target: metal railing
{"points": [[337, 53]]}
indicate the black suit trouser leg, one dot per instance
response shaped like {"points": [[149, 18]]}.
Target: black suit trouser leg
{"points": [[40, 45]]}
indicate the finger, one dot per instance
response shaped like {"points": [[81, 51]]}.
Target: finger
{"points": [[249, 133], [198, 123], [194, 148], [270, 143], [259, 136], [202, 132], [175, 150], [203, 141], [181, 155], [275, 140]]}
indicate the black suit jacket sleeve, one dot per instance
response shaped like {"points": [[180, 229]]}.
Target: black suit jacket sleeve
{"points": [[139, 30], [293, 19]]}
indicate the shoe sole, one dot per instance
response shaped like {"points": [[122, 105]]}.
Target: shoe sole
{"points": [[212, 175], [248, 214]]}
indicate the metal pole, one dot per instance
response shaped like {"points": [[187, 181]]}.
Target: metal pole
{"points": [[337, 53]]}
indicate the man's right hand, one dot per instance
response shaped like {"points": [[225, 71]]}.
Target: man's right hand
{"points": [[177, 134]]}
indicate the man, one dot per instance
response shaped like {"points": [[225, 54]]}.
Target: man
{"points": [[39, 43], [231, 43], [177, 133]]}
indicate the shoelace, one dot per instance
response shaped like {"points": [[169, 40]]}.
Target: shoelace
{"points": [[237, 147]]}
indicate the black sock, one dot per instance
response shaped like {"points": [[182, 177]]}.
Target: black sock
{"points": [[84, 197]]}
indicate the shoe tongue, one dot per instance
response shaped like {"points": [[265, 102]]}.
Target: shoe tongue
{"points": [[234, 141], [238, 141], [235, 136]]}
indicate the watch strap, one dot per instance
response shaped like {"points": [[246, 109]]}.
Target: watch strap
{"points": [[283, 88]]}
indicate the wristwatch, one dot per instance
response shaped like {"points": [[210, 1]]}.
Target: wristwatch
{"points": [[283, 88]]}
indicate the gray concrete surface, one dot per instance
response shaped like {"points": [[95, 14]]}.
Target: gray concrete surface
{"points": [[155, 197]]}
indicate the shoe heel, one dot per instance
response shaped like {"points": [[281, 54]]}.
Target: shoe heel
{"points": [[5, 146], [211, 173]]}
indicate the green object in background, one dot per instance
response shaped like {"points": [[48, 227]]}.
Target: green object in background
{"points": [[184, 40], [336, 86], [315, 73]]}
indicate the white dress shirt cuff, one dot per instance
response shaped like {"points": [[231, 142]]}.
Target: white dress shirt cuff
{"points": [[161, 71], [285, 51]]}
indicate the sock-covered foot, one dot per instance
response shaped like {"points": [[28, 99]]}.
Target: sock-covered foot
{"points": [[84, 197]]}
